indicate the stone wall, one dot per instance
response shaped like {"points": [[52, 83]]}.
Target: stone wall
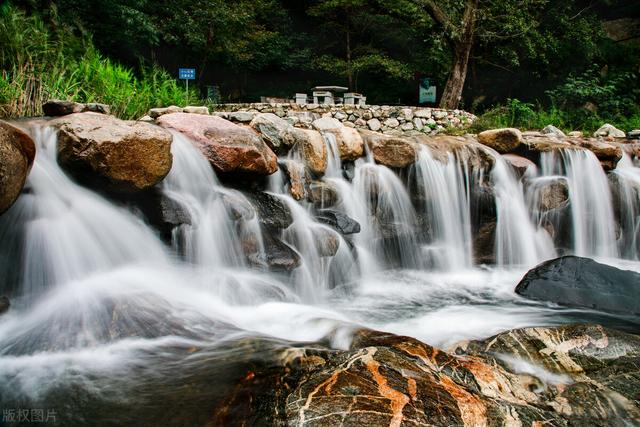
{"points": [[390, 120]]}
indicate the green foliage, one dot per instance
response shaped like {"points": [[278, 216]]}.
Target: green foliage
{"points": [[528, 116], [39, 64]]}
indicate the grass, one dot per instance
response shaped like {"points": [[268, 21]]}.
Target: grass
{"points": [[529, 117], [38, 64]]}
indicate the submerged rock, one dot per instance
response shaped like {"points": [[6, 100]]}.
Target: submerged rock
{"points": [[326, 240], [296, 176], [17, 151], [5, 304], [277, 255], [502, 140], [551, 193], [341, 222], [608, 154], [323, 194], [105, 151], [582, 282], [228, 147]]}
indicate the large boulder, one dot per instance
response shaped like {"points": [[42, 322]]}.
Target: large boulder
{"points": [[349, 141], [553, 131], [608, 130], [392, 151], [17, 152], [608, 154], [502, 140], [230, 148], [312, 149], [277, 132], [521, 165], [569, 375], [582, 282], [123, 156]]}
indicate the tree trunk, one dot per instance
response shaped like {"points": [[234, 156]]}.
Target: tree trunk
{"points": [[452, 93], [349, 68]]}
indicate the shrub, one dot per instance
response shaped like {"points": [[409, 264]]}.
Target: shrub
{"points": [[39, 64]]}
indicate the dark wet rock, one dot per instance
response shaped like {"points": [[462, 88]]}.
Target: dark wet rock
{"points": [[277, 255], [634, 134], [17, 151], [384, 379], [273, 213], [57, 107], [484, 244], [338, 220], [582, 282], [162, 212], [4, 304], [104, 151], [322, 194]]}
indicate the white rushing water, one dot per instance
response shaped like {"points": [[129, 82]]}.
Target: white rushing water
{"points": [[446, 205], [101, 298], [593, 225]]}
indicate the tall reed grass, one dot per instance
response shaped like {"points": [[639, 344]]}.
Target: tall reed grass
{"points": [[38, 64]]}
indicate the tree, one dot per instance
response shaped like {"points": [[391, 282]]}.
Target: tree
{"points": [[463, 22], [360, 27]]}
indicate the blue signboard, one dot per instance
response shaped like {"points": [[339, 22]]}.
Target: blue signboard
{"points": [[187, 73]]}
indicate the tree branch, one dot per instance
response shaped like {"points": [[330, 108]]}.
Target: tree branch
{"points": [[438, 15]]}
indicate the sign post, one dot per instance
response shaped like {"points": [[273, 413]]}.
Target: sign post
{"points": [[426, 91], [187, 74]]}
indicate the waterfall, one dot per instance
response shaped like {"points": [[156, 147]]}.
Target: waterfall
{"points": [[627, 188], [70, 231], [211, 239], [518, 242], [593, 226], [446, 206]]}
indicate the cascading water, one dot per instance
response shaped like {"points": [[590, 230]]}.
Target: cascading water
{"points": [[69, 232], [446, 207], [106, 311], [517, 242], [211, 238], [593, 226], [627, 189]]}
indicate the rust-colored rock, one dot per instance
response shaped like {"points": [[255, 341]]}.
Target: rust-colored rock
{"points": [[17, 152], [230, 148], [124, 156]]}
